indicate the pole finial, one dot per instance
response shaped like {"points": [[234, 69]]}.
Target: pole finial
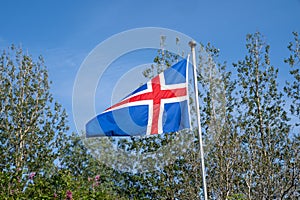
{"points": [[192, 43]]}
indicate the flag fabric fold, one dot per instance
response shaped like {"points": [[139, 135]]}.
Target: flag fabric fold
{"points": [[159, 106]]}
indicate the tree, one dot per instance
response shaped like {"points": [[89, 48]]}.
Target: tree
{"points": [[38, 159], [263, 125], [292, 90], [32, 125], [220, 126], [251, 150]]}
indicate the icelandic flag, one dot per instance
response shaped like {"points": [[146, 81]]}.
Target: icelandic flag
{"points": [[159, 106]]}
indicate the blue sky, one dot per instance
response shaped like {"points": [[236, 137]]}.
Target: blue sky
{"points": [[65, 31]]}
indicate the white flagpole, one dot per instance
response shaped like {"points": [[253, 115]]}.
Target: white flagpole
{"points": [[192, 45]]}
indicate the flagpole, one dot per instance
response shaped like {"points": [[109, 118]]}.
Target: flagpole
{"points": [[192, 45]]}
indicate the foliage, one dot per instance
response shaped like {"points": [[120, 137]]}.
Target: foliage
{"points": [[250, 152], [221, 137], [32, 126], [60, 185], [34, 141], [250, 130], [262, 125], [293, 88]]}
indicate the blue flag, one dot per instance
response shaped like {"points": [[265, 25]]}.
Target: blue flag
{"points": [[159, 106]]}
